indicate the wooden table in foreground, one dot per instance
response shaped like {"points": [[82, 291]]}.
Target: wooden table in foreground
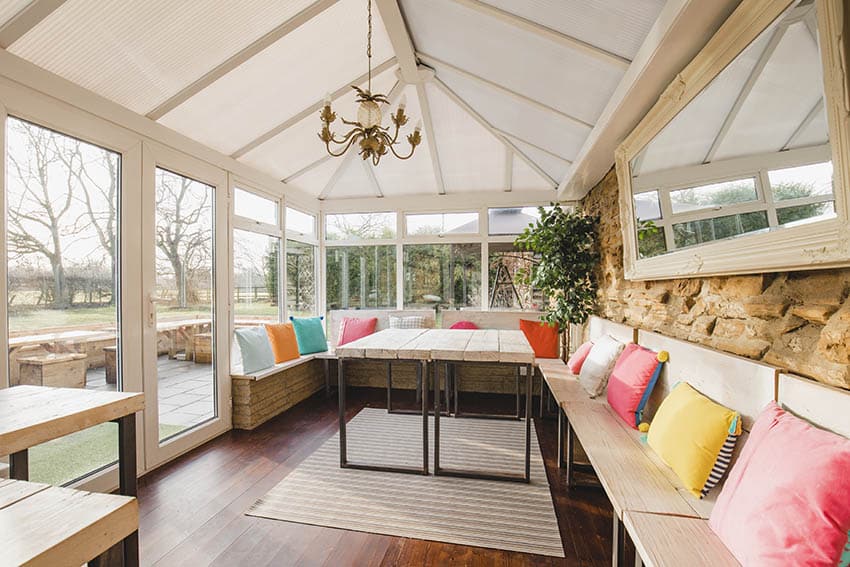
{"points": [[51, 526], [31, 415], [428, 348]]}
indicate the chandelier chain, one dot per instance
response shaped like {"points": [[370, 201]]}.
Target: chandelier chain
{"points": [[369, 42]]}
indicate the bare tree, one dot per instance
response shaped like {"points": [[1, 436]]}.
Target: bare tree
{"points": [[38, 206], [181, 236]]}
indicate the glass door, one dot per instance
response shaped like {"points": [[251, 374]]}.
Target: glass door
{"points": [[187, 383]]}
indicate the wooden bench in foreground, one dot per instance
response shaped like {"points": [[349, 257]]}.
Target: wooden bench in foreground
{"points": [[52, 526]]}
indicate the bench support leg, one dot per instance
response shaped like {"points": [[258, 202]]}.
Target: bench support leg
{"points": [[19, 465], [618, 545], [569, 461], [327, 377], [561, 431]]}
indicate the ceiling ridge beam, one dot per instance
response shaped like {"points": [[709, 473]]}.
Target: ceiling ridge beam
{"points": [[241, 57], [755, 73], [430, 136], [509, 170], [310, 166], [26, 19], [509, 135], [547, 32], [812, 114], [435, 62], [315, 107], [489, 127], [373, 179]]}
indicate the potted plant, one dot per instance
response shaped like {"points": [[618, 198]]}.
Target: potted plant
{"points": [[566, 254]]}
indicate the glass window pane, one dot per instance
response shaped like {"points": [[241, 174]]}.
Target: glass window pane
{"points": [[185, 290], [252, 206], [448, 275], [512, 220], [62, 214], [714, 195], [442, 223], [299, 222], [506, 289], [697, 232], [300, 279], [361, 277], [802, 214], [647, 206], [256, 258], [360, 226], [800, 182]]}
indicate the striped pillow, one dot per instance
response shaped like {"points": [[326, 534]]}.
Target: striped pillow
{"points": [[721, 465], [411, 322]]}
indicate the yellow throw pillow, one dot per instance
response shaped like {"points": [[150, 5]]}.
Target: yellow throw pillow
{"points": [[695, 437]]}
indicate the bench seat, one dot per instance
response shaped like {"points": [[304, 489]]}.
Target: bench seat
{"points": [[671, 541], [272, 370]]}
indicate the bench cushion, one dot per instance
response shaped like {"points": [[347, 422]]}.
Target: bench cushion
{"points": [[353, 328], [598, 364], [632, 381], [692, 435], [255, 348], [576, 361], [785, 501], [310, 334], [283, 342], [542, 337]]}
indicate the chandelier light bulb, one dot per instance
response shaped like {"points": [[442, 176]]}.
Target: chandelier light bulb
{"points": [[402, 103]]}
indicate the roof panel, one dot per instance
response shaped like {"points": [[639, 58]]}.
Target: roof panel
{"points": [[564, 78], [618, 26], [472, 159], [353, 181], [526, 179], [319, 57], [313, 182], [557, 168], [10, 8], [138, 54]]}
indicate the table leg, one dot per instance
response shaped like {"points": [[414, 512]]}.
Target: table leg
{"points": [[19, 465], [343, 453], [423, 377], [127, 479], [437, 395], [528, 418], [454, 386], [516, 384], [542, 388], [389, 387]]}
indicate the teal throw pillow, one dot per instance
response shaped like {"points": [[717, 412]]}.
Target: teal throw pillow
{"points": [[310, 334], [256, 350]]}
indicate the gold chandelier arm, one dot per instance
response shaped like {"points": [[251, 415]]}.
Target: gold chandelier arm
{"points": [[345, 138], [408, 156], [345, 149]]}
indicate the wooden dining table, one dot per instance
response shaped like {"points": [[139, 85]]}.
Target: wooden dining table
{"points": [[31, 415], [428, 349]]}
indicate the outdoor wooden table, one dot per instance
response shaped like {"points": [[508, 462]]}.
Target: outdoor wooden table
{"points": [[427, 346], [31, 415], [88, 524]]}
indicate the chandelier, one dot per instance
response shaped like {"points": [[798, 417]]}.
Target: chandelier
{"points": [[367, 132]]}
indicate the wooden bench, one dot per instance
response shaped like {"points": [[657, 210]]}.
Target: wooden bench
{"points": [[67, 370], [110, 361], [47, 525], [202, 348]]}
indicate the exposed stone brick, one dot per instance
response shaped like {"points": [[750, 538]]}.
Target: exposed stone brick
{"points": [[766, 307], [816, 313]]}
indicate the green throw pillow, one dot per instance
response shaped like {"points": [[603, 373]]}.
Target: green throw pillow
{"points": [[256, 350], [310, 334]]}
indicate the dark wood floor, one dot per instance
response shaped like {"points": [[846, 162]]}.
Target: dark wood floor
{"points": [[192, 509]]}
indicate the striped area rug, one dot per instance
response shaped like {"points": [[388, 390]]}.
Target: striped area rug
{"points": [[500, 515]]}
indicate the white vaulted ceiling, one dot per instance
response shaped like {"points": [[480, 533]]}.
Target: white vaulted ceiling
{"points": [[510, 90]]}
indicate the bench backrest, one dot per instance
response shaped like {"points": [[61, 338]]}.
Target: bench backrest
{"points": [[505, 320], [738, 383], [336, 316], [597, 327], [825, 406]]}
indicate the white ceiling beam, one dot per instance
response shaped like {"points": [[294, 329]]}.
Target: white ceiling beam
{"points": [[546, 32], [434, 62], [241, 57], [373, 180], [509, 135], [813, 113], [315, 107], [754, 75], [681, 30], [430, 135], [489, 127], [30, 16], [509, 169], [309, 167]]}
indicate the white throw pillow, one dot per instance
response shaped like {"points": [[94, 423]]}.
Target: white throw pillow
{"points": [[598, 365], [410, 322]]}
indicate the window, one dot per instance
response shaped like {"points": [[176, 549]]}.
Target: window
{"points": [[300, 223], [713, 196], [300, 279], [360, 226], [62, 243], [252, 206], [256, 260], [448, 275], [700, 231], [361, 277], [801, 182], [442, 224], [647, 206], [506, 264], [512, 220]]}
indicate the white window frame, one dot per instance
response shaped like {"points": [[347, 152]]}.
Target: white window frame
{"points": [[318, 265]]}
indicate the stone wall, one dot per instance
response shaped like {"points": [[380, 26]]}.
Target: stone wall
{"points": [[257, 401], [799, 321]]}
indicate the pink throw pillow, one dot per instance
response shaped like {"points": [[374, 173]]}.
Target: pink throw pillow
{"points": [[632, 380], [353, 328], [464, 325], [578, 357], [786, 499]]}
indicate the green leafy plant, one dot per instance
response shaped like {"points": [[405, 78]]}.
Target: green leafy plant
{"points": [[566, 255]]}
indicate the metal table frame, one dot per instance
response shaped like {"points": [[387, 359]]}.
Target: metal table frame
{"points": [[442, 471], [422, 371], [451, 371], [419, 389]]}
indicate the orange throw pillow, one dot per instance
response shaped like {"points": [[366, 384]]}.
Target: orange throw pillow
{"points": [[542, 337], [282, 339]]}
